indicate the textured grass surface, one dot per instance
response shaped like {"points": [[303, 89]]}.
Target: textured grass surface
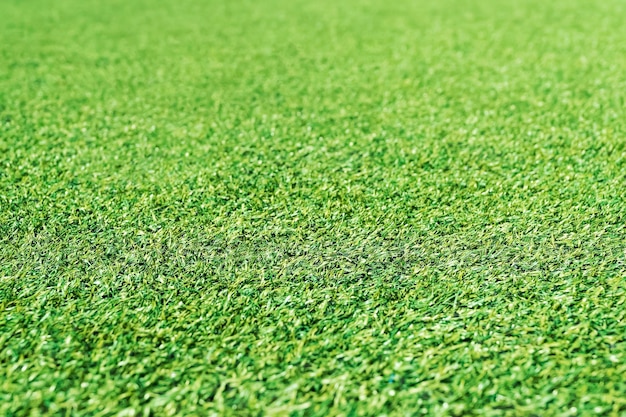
{"points": [[307, 208]]}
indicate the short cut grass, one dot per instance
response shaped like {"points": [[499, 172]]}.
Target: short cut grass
{"points": [[312, 208]]}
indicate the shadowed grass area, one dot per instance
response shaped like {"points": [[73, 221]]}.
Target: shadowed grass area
{"points": [[312, 208]]}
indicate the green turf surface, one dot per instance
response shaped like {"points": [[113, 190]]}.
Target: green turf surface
{"points": [[311, 208]]}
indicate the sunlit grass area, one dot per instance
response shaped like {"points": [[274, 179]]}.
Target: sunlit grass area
{"points": [[312, 208]]}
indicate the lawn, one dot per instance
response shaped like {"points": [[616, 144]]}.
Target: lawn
{"points": [[312, 208]]}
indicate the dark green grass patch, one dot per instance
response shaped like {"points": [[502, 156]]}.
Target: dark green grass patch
{"points": [[312, 208]]}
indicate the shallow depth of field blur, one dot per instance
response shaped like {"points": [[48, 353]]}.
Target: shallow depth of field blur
{"points": [[312, 208]]}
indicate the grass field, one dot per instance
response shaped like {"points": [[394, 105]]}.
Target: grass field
{"points": [[312, 208]]}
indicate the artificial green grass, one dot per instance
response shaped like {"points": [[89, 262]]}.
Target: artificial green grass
{"points": [[277, 207]]}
